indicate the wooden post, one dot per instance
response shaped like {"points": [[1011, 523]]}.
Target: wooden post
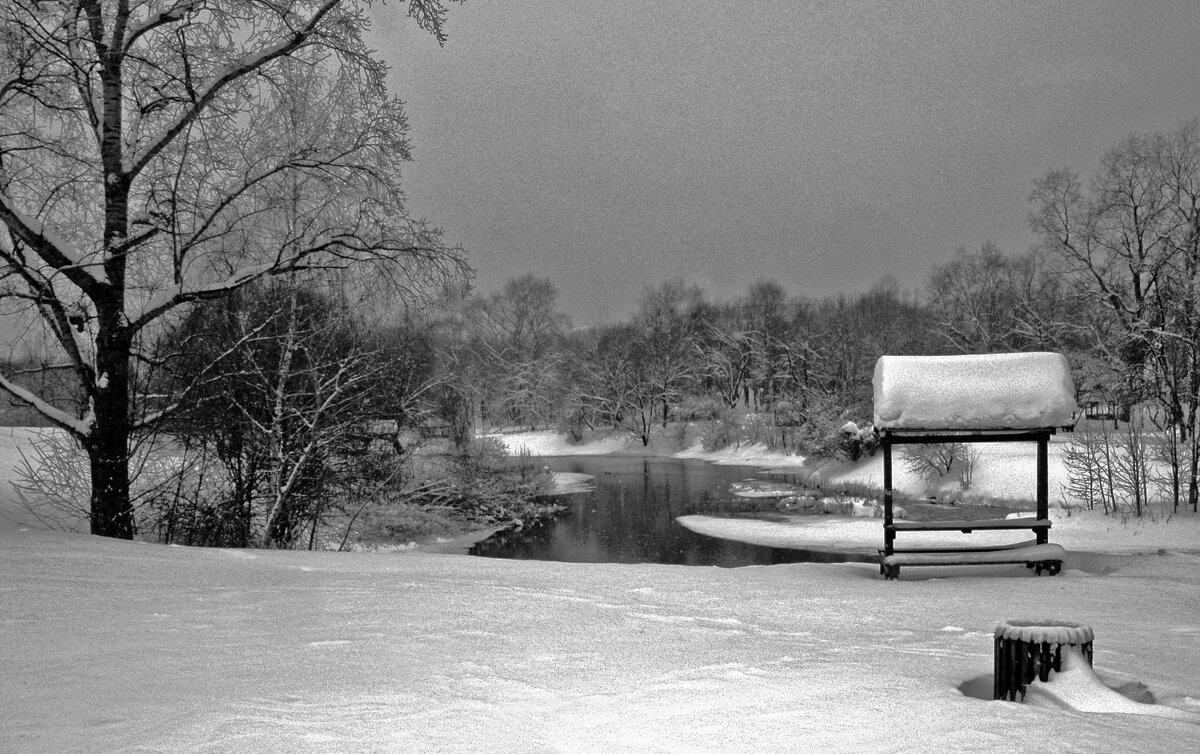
{"points": [[1043, 486], [889, 534]]}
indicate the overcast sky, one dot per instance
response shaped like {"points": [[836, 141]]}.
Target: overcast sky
{"points": [[613, 145]]}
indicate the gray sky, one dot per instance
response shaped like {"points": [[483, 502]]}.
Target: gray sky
{"points": [[609, 146]]}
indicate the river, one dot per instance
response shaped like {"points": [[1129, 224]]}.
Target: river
{"points": [[630, 515]]}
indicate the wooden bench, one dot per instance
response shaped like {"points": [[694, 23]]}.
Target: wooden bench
{"points": [[1043, 557], [973, 548], [966, 527]]}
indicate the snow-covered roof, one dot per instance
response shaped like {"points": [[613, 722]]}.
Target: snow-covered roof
{"points": [[976, 392]]}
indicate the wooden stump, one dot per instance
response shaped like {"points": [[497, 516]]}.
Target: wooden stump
{"points": [[1029, 649]]}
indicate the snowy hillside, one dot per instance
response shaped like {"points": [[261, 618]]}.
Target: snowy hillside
{"points": [[119, 646]]}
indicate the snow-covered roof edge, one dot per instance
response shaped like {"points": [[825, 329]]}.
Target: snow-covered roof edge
{"points": [[1008, 391]]}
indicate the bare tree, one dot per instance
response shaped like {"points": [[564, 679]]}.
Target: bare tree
{"points": [[987, 301], [514, 333], [728, 356], [668, 324], [159, 153], [280, 384], [1134, 241]]}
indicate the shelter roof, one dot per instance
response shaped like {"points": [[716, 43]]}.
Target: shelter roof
{"points": [[1006, 391]]}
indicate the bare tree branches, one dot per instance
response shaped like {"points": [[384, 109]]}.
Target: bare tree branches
{"points": [[163, 153], [1133, 241]]}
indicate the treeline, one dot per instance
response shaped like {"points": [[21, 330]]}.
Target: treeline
{"points": [[1114, 284], [764, 367]]}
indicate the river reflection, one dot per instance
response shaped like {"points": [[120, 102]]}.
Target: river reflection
{"points": [[630, 517]]}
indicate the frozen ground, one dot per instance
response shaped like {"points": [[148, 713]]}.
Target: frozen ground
{"points": [[118, 646]]}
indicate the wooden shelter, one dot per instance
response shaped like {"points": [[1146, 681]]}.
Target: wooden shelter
{"points": [[1020, 397]]}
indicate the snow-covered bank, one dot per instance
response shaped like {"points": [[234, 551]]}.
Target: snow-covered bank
{"points": [[112, 645], [1082, 531], [551, 443], [122, 646], [1004, 472]]}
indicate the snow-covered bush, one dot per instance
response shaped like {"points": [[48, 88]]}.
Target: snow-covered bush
{"points": [[573, 423], [854, 442], [759, 428], [53, 481], [721, 431], [695, 408]]}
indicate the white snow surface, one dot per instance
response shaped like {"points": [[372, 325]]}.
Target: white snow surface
{"points": [[1076, 686], [123, 646], [1087, 532], [542, 443], [990, 391]]}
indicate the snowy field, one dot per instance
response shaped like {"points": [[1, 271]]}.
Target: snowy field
{"points": [[119, 646]]}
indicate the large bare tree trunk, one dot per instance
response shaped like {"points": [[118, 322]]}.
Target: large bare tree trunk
{"points": [[112, 514], [108, 446]]}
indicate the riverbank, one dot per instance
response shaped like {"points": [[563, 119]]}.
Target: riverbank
{"points": [[1003, 474]]}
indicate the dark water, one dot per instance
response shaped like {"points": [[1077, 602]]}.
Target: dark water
{"points": [[630, 517]]}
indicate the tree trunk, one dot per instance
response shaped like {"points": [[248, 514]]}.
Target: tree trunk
{"points": [[276, 529], [111, 514], [108, 445]]}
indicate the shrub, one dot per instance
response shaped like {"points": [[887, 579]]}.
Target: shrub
{"points": [[1121, 470], [699, 409], [720, 431], [931, 462], [853, 443]]}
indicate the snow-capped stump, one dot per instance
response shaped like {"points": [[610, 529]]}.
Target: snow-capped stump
{"points": [[1005, 397], [1052, 632], [974, 392], [1025, 650]]}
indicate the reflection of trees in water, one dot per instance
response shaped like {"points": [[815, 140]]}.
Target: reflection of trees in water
{"points": [[630, 518]]}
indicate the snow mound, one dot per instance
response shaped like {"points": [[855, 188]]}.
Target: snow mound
{"points": [[990, 391], [1078, 687]]}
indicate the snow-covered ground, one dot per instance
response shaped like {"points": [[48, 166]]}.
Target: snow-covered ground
{"points": [[120, 646], [548, 443]]}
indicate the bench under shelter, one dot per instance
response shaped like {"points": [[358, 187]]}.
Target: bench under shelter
{"points": [[1010, 397]]}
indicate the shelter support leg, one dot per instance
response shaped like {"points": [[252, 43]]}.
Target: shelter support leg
{"points": [[1043, 486]]}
